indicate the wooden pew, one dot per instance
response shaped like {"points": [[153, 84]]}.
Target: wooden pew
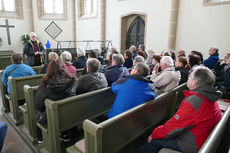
{"points": [[6, 52], [68, 113], [113, 134], [79, 72], [5, 61], [17, 94], [38, 69], [60, 50], [3, 88]]}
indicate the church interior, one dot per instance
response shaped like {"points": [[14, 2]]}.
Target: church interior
{"points": [[63, 28]]}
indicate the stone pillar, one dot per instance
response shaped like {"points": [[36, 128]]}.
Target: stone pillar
{"points": [[173, 24], [74, 21], [103, 20]]}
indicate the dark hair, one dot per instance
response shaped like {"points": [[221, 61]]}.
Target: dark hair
{"points": [[141, 53], [194, 60], [16, 58], [183, 60], [142, 46], [56, 69], [143, 69], [92, 54], [198, 54], [93, 64], [157, 58], [173, 54], [129, 54]]}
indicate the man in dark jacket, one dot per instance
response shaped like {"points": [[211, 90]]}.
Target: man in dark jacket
{"points": [[80, 62], [117, 70], [93, 80], [195, 119], [132, 90], [33, 50], [213, 58]]}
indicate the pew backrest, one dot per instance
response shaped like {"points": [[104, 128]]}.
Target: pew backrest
{"points": [[5, 61], [5, 104]]}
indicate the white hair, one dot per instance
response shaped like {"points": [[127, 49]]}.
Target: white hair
{"points": [[81, 51], [167, 60], [33, 34], [66, 57]]}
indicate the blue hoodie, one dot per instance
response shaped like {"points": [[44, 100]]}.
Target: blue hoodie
{"points": [[211, 61]]}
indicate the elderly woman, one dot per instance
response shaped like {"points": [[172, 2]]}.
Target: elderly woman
{"points": [[168, 78], [117, 70], [80, 62], [138, 59], [67, 57]]}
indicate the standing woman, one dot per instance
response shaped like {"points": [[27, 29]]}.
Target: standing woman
{"points": [[33, 50], [56, 84]]}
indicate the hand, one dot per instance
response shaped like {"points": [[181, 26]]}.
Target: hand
{"points": [[220, 60], [149, 138], [36, 53]]}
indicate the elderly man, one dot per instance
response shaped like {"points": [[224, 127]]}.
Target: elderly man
{"points": [[52, 56], [67, 58], [181, 53], [132, 90], [33, 50], [93, 80], [133, 49], [196, 117], [117, 70], [80, 62], [168, 78], [213, 58]]}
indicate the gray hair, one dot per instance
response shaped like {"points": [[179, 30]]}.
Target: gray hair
{"points": [[53, 56], [203, 75], [33, 34], [66, 57], [97, 52], [81, 51], [118, 58], [139, 59], [93, 64], [167, 60], [113, 49], [142, 69]]}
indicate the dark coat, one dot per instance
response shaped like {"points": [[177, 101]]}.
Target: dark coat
{"points": [[183, 73], [219, 72], [61, 89], [128, 63], [115, 72], [80, 62], [90, 82]]}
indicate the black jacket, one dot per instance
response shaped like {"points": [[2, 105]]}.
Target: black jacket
{"points": [[80, 62], [58, 90], [128, 63], [183, 73], [90, 82]]}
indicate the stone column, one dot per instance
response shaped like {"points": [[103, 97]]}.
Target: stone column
{"points": [[103, 20], [173, 24]]}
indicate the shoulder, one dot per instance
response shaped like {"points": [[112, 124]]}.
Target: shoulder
{"points": [[121, 81], [195, 100]]}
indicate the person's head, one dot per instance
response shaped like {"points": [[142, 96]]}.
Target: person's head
{"points": [[138, 59], [141, 69], [141, 47], [132, 48], [93, 65], [117, 59], [33, 36], [213, 50], [166, 62], [80, 51], [56, 69], [141, 53], [128, 54], [165, 52], [181, 62], [97, 52], [226, 57], [193, 60], [53, 56], [113, 50], [150, 52], [16, 58], [66, 57], [199, 77], [92, 54], [156, 59], [173, 54], [181, 52], [198, 54]]}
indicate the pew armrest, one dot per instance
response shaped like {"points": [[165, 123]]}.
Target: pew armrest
{"points": [[80, 145], [23, 108], [8, 97], [73, 149], [43, 127]]}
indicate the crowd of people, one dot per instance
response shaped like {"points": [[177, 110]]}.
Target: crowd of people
{"points": [[135, 77]]}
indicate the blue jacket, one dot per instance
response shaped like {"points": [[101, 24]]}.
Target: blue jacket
{"points": [[15, 71], [211, 61], [80, 62], [115, 72], [131, 91]]}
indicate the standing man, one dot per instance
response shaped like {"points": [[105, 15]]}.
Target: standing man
{"points": [[213, 58], [33, 50]]}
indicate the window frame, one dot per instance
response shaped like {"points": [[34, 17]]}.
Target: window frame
{"points": [[208, 3], [93, 12], [18, 13], [51, 16]]}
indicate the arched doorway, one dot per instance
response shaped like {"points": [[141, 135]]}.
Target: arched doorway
{"points": [[136, 31]]}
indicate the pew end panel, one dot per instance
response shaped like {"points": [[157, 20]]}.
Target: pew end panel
{"points": [[5, 102], [79, 72]]}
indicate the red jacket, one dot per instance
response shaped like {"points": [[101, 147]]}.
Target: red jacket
{"points": [[71, 69], [193, 122]]}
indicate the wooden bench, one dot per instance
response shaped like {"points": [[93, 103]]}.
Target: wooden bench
{"points": [[6, 52], [37, 69], [113, 134], [60, 50], [17, 94], [79, 72], [5, 61], [65, 114]]}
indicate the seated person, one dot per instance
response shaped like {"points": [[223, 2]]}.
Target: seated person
{"points": [[93, 80], [142, 53], [212, 59], [180, 65], [112, 51], [17, 69], [132, 90], [128, 59], [149, 59], [67, 58], [117, 70], [133, 49], [195, 119], [56, 84], [155, 67], [80, 62], [138, 59], [193, 61], [168, 78], [52, 56], [3, 131], [181, 53]]}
